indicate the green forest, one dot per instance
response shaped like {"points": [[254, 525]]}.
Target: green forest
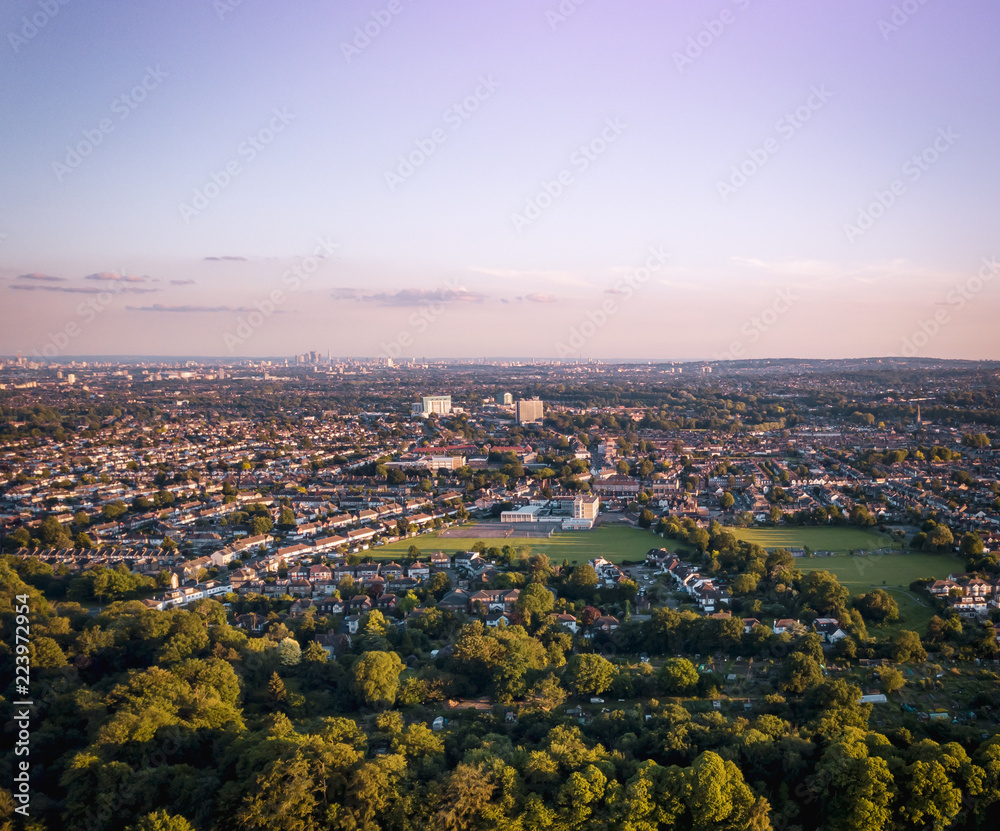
{"points": [[178, 720]]}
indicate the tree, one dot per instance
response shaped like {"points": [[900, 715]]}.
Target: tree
{"points": [[678, 677], [466, 795], [276, 690], [939, 538], [588, 674], [286, 518], [18, 538], [583, 582], [260, 525], [856, 789], [718, 797], [315, 653], [113, 510], [534, 603], [877, 606], [289, 652], [539, 568], [439, 584], [745, 584], [906, 646], [726, 501], [545, 696], [929, 799], [799, 672], [779, 559], [161, 821], [375, 678], [890, 679], [822, 591], [53, 533], [972, 544]]}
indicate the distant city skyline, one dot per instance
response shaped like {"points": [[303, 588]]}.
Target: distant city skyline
{"points": [[560, 180]]}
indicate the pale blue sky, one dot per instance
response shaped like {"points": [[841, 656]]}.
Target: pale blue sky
{"points": [[873, 97]]}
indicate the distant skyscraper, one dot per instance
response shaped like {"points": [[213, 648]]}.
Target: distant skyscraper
{"points": [[530, 410], [505, 398]]}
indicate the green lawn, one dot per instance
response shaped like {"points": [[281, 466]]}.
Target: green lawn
{"points": [[840, 540], [893, 572], [615, 542], [858, 574]]}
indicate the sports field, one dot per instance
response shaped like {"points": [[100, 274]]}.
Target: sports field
{"points": [[840, 540], [614, 542]]}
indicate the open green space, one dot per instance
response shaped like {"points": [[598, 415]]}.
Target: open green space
{"points": [[914, 614], [614, 542], [839, 539], [893, 572], [860, 573]]}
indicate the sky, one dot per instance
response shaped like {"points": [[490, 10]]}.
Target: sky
{"points": [[529, 178]]}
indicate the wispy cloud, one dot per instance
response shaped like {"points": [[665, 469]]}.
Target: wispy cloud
{"points": [[111, 276], [41, 277], [823, 271], [539, 297], [167, 307], [410, 297], [182, 282], [230, 259], [82, 289], [419, 297]]}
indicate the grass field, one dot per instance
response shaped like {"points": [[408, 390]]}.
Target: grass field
{"points": [[840, 540], [892, 572], [858, 574], [615, 542]]}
